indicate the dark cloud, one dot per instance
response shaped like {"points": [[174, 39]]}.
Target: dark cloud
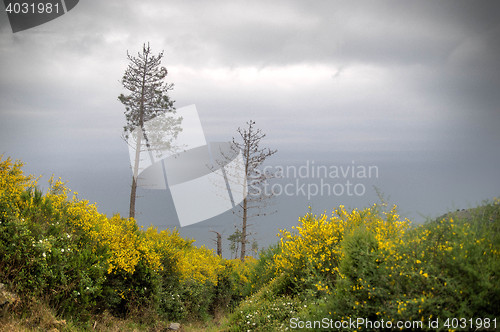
{"points": [[375, 32]]}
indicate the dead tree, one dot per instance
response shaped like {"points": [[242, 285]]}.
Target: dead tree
{"points": [[219, 243], [254, 203]]}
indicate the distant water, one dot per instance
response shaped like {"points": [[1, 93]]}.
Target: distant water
{"points": [[423, 185], [422, 188]]}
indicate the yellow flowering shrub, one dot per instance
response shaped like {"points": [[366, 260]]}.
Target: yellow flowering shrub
{"points": [[63, 245], [126, 243], [12, 183], [372, 263], [200, 264], [119, 235], [243, 269], [316, 242]]}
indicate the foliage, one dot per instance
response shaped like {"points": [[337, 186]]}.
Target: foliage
{"points": [[147, 99], [372, 264], [59, 248], [58, 253], [263, 270], [266, 310]]}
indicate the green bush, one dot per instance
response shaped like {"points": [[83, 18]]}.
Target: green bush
{"points": [[266, 310], [447, 268], [264, 270], [62, 253]]}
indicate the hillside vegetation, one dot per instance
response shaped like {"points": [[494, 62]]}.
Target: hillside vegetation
{"points": [[68, 267]]}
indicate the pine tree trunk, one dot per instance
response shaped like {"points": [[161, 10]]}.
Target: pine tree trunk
{"points": [[247, 141], [131, 213], [244, 230], [140, 134], [219, 245], [133, 191]]}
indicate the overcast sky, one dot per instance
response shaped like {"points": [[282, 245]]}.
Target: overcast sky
{"points": [[411, 87]]}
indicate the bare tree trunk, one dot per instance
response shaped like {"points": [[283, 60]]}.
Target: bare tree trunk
{"points": [[244, 230], [133, 191], [131, 212], [248, 141], [219, 243]]}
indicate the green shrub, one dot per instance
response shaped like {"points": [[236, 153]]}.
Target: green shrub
{"points": [[266, 310]]}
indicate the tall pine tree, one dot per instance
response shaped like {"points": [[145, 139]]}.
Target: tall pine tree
{"points": [[148, 97]]}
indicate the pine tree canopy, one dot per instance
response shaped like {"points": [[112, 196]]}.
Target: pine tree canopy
{"points": [[148, 97]]}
